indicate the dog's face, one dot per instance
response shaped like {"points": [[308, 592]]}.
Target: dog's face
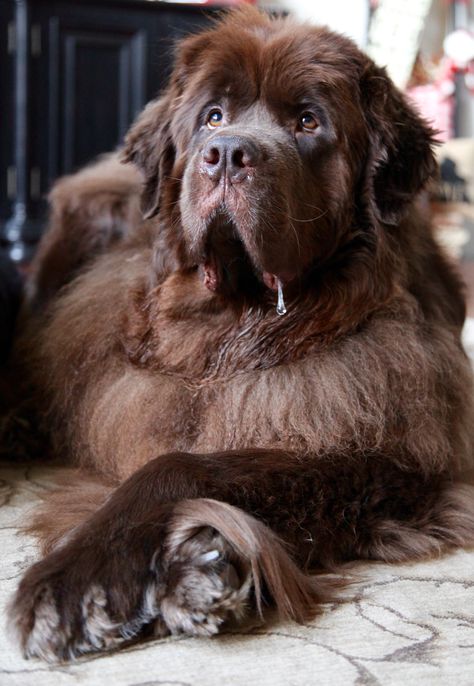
{"points": [[274, 146]]}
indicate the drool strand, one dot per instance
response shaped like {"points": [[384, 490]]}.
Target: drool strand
{"points": [[280, 308]]}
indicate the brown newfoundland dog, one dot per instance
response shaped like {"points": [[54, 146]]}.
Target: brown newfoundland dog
{"points": [[261, 367]]}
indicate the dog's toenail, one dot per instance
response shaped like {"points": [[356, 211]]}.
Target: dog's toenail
{"points": [[210, 556]]}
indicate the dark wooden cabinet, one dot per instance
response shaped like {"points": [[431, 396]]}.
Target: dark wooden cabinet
{"points": [[73, 75]]}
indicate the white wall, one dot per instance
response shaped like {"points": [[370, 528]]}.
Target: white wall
{"points": [[346, 16]]}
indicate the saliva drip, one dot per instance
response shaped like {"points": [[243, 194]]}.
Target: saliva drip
{"points": [[281, 309]]}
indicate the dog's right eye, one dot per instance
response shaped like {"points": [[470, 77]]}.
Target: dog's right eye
{"points": [[214, 118], [308, 122]]}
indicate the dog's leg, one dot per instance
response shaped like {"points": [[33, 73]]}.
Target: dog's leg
{"points": [[184, 567], [159, 555]]}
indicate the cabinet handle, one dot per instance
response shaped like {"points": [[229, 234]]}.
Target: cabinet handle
{"points": [[36, 40], [11, 38], [11, 183], [35, 183]]}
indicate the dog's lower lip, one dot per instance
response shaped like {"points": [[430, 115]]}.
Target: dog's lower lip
{"points": [[272, 280], [211, 274]]}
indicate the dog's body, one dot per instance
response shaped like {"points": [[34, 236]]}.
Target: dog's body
{"points": [[341, 427]]}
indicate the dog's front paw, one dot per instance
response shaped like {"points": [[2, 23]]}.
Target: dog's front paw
{"points": [[207, 583], [64, 607], [56, 635], [87, 596]]}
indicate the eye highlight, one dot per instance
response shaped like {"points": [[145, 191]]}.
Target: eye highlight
{"points": [[308, 122], [215, 118]]}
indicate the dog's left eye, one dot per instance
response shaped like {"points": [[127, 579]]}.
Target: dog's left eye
{"points": [[214, 118], [308, 122]]}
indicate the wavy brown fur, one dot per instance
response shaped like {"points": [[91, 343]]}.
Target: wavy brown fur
{"points": [[76, 497]]}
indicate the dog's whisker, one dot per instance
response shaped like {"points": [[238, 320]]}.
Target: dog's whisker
{"points": [[313, 219]]}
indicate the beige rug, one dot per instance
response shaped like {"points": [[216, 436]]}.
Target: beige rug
{"points": [[402, 625]]}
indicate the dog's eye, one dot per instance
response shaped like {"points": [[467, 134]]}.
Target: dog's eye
{"points": [[214, 118], [308, 122]]}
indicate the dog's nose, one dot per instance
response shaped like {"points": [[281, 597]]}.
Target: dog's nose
{"points": [[229, 155]]}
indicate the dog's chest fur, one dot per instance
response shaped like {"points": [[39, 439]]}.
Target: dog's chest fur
{"points": [[182, 330], [190, 374], [203, 375], [212, 376]]}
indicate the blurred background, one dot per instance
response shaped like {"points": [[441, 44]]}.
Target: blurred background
{"points": [[74, 74]]}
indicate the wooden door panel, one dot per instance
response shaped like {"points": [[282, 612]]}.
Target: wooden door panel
{"points": [[100, 86], [77, 75]]}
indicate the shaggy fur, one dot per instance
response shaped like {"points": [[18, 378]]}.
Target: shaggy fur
{"points": [[242, 449]]}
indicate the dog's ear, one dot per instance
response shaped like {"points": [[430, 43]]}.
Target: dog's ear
{"points": [[149, 146], [400, 159]]}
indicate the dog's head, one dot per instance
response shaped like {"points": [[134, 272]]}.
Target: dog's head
{"points": [[272, 147]]}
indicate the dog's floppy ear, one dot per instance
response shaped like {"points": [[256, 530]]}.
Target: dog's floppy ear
{"points": [[401, 158], [149, 146]]}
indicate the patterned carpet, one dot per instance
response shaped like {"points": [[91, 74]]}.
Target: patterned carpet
{"points": [[402, 624]]}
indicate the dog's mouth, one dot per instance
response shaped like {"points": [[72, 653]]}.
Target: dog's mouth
{"points": [[226, 266]]}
